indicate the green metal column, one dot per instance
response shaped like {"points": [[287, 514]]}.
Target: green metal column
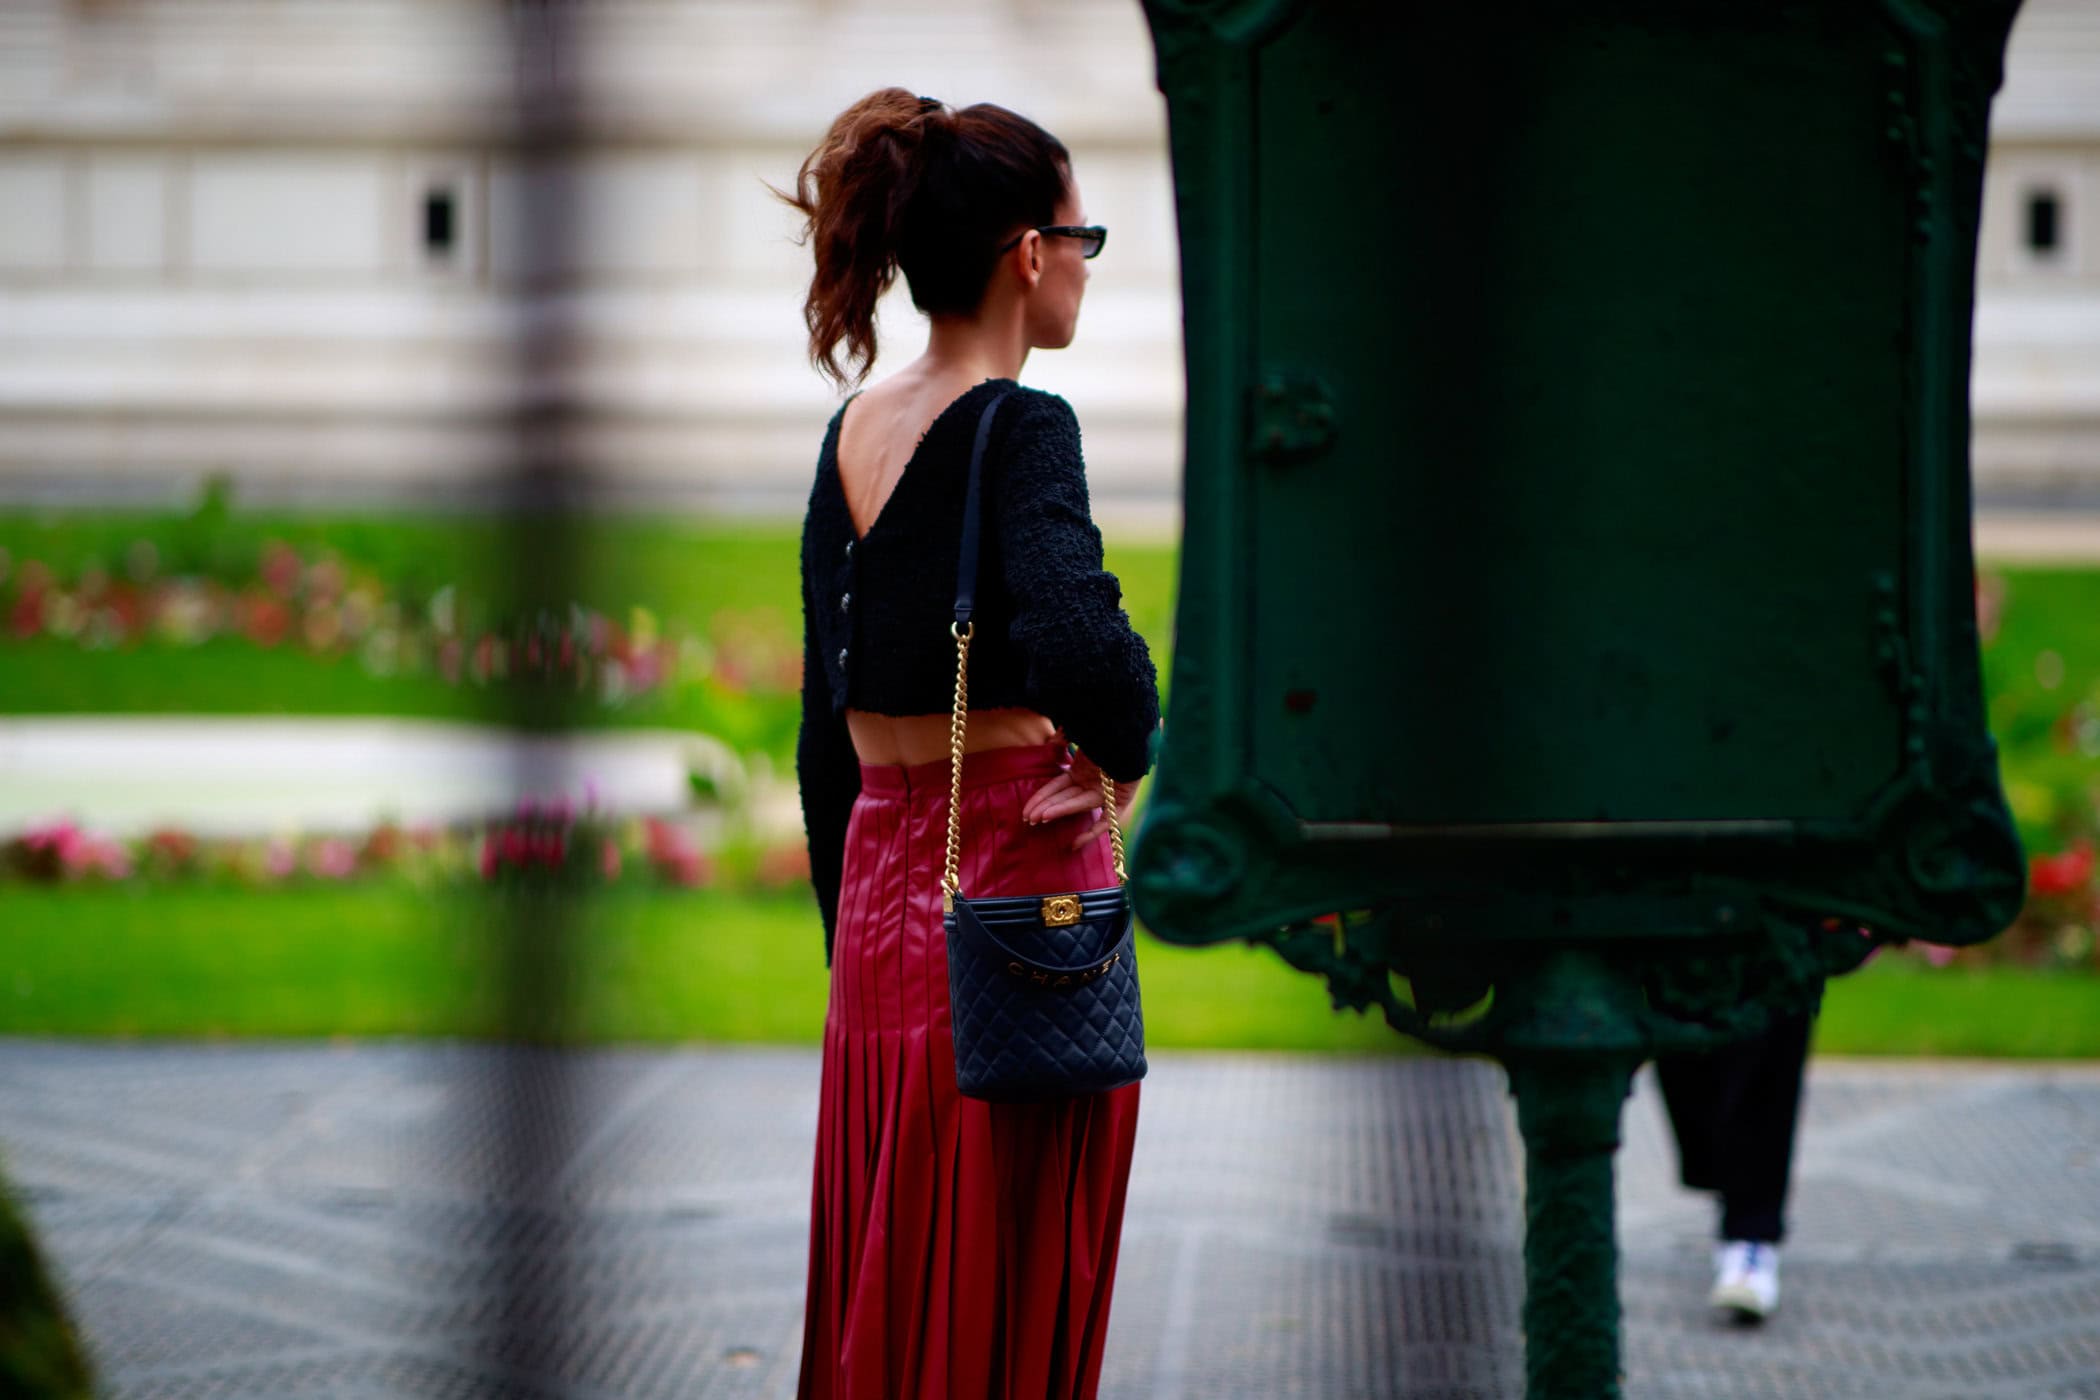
{"points": [[1572, 1047], [1568, 1108]]}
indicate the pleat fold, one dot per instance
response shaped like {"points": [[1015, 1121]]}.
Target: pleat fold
{"points": [[957, 1249]]}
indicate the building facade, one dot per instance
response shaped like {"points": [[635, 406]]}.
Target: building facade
{"points": [[297, 241]]}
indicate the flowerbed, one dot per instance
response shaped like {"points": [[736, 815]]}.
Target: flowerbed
{"points": [[2040, 631], [555, 842], [212, 612], [162, 592]]}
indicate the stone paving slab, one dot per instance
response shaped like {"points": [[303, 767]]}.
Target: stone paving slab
{"points": [[416, 1220]]}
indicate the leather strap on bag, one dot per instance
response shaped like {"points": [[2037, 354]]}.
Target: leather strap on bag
{"points": [[962, 629]]}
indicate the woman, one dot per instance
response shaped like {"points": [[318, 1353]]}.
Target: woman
{"points": [[957, 1248]]}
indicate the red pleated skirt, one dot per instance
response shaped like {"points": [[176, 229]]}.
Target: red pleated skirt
{"points": [[958, 1249]]}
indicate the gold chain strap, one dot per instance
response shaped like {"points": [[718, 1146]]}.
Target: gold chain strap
{"points": [[951, 880], [1115, 825]]}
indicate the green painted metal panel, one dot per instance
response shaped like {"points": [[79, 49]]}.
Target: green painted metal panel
{"points": [[1577, 501]]}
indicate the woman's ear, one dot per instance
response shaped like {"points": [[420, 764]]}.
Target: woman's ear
{"points": [[1030, 255]]}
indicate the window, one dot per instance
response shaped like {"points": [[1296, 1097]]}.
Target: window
{"points": [[2044, 225], [436, 217], [440, 223]]}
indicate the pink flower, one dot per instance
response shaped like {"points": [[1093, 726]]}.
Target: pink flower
{"points": [[280, 861], [332, 858], [1938, 954], [108, 859], [673, 853], [63, 850], [1990, 605], [55, 837], [324, 578]]}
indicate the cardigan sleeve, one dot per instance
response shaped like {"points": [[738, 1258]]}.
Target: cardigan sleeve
{"points": [[1087, 668], [828, 771]]}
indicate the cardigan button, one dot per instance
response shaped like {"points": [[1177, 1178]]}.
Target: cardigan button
{"points": [[849, 549], [845, 601], [842, 656]]}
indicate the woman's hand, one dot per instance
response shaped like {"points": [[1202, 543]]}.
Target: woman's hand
{"points": [[1076, 790]]}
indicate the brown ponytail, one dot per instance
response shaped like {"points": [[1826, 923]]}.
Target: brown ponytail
{"points": [[903, 183]]}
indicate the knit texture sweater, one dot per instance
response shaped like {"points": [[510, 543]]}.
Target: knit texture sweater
{"points": [[1051, 634]]}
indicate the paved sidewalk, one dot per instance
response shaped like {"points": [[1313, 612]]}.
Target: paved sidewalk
{"points": [[446, 1221]]}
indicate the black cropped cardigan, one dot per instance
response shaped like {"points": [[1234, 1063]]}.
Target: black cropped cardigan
{"points": [[1051, 631]]}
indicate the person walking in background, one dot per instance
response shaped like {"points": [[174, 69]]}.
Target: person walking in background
{"points": [[957, 1248], [1733, 1111]]}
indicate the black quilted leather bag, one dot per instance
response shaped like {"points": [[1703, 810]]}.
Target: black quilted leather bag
{"points": [[1042, 989]]}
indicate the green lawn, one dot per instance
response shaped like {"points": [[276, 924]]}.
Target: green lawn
{"points": [[2042, 674], [648, 966], [681, 566], [711, 580], [373, 960], [654, 966]]}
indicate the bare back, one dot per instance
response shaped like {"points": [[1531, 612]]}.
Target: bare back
{"points": [[878, 434]]}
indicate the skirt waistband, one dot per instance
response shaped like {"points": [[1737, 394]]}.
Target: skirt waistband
{"points": [[979, 769]]}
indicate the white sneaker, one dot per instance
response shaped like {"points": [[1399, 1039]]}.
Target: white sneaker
{"points": [[1746, 1280]]}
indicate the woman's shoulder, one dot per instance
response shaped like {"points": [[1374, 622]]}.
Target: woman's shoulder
{"points": [[1039, 422], [1037, 403]]}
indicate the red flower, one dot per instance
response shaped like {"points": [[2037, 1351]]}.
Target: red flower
{"points": [[265, 619], [687, 869], [26, 619], [280, 568], [2064, 873], [674, 854], [783, 865], [385, 844]]}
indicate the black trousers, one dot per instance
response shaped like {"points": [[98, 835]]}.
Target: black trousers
{"points": [[1733, 1111]]}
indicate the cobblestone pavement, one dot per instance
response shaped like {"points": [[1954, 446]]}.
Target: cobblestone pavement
{"points": [[448, 1221]]}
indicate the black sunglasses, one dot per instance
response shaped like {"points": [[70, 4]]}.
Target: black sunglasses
{"points": [[1093, 238]]}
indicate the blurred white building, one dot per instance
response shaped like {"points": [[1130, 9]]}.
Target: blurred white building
{"points": [[288, 239]]}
